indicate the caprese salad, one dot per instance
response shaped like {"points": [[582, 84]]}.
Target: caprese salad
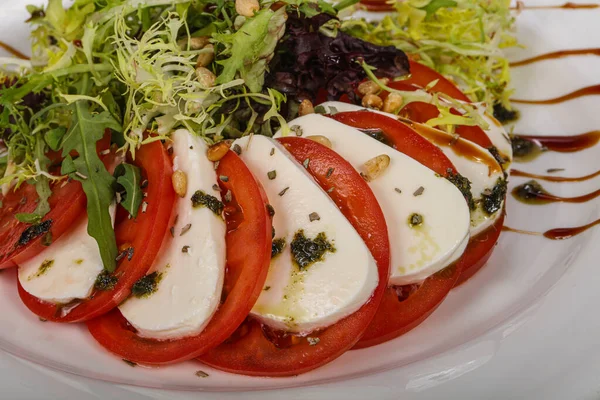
{"points": [[241, 183]]}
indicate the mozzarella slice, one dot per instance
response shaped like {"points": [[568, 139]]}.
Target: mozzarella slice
{"points": [[471, 160], [191, 278], [304, 299], [65, 271], [498, 136], [417, 251]]}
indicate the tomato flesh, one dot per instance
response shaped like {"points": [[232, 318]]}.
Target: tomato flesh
{"points": [[144, 234], [421, 75], [479, 250], [67, 203], [402, 138], [249, 351], [248, 243]]}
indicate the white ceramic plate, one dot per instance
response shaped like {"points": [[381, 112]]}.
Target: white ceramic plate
{"points": [[521, 325]]}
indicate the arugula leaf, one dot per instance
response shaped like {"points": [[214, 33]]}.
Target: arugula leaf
{"points": [[42, 184], [85, 130], [129, 178], [54, 136]]}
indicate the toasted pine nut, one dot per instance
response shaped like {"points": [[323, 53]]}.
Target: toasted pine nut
{"points": [[320, 139], [306, 107], [372, 101], [179, 180], [205, 77], [392, 103], [196, 43], [246, 8], [206, 57], [375, 167], [368, 87], [218, 150]]}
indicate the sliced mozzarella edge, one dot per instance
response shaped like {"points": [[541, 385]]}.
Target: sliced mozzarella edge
{"points": [[416, 251], [478, 173], [191, 280], [67, 269], [302, 300]]}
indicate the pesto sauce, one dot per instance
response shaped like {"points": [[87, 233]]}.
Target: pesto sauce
{"points": [[492, 201], [277, 247], [306, 252], [33, 232], [46, 265], [146, 285], [525, 149], [464, 185], [105, 281], [504, 115], [201, 199], [531, 193], [494, 152]]}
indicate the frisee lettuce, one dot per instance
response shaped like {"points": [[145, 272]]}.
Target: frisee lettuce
{"points": [[462, 39]]}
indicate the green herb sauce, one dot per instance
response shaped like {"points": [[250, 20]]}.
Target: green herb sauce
{"points": [[306, 252], [201, 199]]}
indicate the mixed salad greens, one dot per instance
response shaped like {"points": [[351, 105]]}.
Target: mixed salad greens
{"points": [[138, 69]]}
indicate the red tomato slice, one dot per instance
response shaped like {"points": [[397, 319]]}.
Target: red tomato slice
{"points": [[479, 250], [67, 203], [402, 138], [423, 112], [421, 75], [404, 308], [249, 351], [399, 313], [144, 234], [248, 256]]}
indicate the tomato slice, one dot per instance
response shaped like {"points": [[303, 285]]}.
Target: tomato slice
{"points": [[401, 137], [423, 112], [67, 203], [248, 242], [249, 351], [479, 250], [144, 234], [404, 308], [421, 75]]}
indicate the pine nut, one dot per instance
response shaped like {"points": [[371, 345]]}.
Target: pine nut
{"points": [[179, 180], [205, 77], [320, 139], [375, 167], [218, 150], [246, 8], [372, 101], [392, 103], [306, 107], [196, 43], [206, 57]]}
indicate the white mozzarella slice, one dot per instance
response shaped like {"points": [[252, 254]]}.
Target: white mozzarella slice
{"points": [[67, 269], [319, 295], [416, 251], [191, 279], [471, 160], [498, 136]]}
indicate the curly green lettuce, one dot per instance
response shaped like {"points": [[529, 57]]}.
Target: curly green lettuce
{"points": [[461, 39]]}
